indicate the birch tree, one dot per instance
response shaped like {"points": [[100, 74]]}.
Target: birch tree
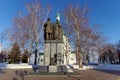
{"points": [[30, 26], [77, 20], [80, 34]]}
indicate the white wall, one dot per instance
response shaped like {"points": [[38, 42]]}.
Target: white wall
{"points": [[41, 59], [72, 58]]}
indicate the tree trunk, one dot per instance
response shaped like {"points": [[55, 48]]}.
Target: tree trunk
{"points": [[79, 57], [35, 62], [36, 52], [80, 63], [79, 51]]}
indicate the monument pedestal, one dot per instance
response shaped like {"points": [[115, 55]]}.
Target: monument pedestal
{"points": [[53, 52], [52, 68], [53, 47]]}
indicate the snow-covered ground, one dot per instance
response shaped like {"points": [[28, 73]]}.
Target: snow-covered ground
{"points": [[109, 67], [115, 67], [14, 66], [21, 66], [100, 66]]}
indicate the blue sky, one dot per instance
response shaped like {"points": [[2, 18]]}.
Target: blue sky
{"points": [[104, 12]]}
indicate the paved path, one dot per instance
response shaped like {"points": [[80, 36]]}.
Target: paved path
{"points": [[99, 74], [10, 74]]}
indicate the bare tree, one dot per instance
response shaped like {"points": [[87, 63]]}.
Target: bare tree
{"points": [[108, 54], [67, 32], [28, 29], [80, 34], [118, 51], [77, 19]]}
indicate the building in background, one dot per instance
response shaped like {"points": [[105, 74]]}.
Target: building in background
{"points": [[72, 58], [41, 58], [66, 50]]}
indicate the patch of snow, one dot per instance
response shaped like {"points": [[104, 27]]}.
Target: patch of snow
{"points": [[115, 67], [14, 66], [109, 67], [75, 66], [68, 69]]}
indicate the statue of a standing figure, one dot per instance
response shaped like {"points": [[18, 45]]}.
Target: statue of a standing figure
{"points": [[60, 32], [53, 31], [57, 31], [48, 30]]}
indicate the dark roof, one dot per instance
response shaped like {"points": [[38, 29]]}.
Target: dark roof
{"points": [[41, 53], [72, 52]]}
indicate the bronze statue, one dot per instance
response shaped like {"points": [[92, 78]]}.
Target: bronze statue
{"points": [[57, 31], [52, 31], [48, 30], [60, 32]]}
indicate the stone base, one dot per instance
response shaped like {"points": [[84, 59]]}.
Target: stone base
{"points": [[52, 49], [43, 69], [52, 68], [57, 69]]}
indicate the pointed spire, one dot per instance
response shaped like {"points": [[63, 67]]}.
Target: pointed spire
{"points": [[58, 17]]}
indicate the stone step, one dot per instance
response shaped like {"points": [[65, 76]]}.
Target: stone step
{"points": [[43, 69], [63, 68], [59, 69], [52, 68]]}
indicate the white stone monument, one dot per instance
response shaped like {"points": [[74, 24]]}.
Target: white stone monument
{"points": [[53, 46]]}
